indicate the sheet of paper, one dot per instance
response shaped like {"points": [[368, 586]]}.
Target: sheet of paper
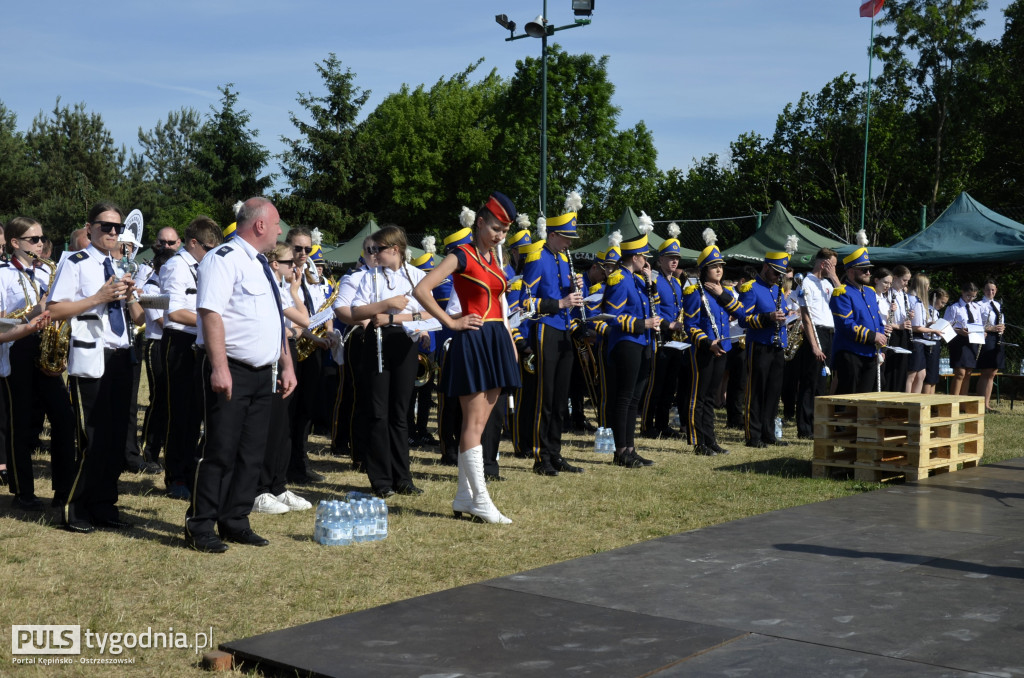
{"points": [[594, 298], [413, 326], [601, 316], [924, 342], [947, 330], [898, 349], [677, 345], [976, 333], [515, 320]]}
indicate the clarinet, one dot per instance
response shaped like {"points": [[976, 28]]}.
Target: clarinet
{"points": [[377, 330], [651, 291], [999, 321], [777, 337], [707, 309]]}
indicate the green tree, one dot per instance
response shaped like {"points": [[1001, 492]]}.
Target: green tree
{"points": [[321, 164], [16, 175]]}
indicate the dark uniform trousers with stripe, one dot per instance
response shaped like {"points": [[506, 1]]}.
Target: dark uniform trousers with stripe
{"points": [[101, 406], [555, 356], [184, 405], [154, 424], [345, 401], [706, 371], [764, 386], [231, 455]]}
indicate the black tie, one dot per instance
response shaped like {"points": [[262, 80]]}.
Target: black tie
{"points": [[114, 312], [273, 290], [308, 298]]}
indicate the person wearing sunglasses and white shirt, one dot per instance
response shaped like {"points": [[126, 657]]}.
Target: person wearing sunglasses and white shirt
{"points": [[97, 300]]}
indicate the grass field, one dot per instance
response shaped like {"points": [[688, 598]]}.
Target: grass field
{"points": [[112, 582]]}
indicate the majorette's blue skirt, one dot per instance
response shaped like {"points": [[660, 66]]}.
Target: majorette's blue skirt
{"points": [[479, 360]]}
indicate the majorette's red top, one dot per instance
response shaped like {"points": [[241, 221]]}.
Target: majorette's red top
{"points": [[480, 285]]}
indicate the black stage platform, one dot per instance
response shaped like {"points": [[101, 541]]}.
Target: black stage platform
{"points": [[922, 579]]}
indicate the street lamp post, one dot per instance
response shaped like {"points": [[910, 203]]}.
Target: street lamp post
{"points": [[539, 28]]}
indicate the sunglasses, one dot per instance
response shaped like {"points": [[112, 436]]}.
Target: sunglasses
{"points": [[377, 249], [109, 226], [34, 239], [286, 262], [206, 248], [168, 243], [298, 249]]}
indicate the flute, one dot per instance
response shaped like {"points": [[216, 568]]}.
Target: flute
{"points": [[377, 330]]}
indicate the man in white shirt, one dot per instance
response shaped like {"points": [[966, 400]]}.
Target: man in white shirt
{"points": [[818, 327], [241, 337]]}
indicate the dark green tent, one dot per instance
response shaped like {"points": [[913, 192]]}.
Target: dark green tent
{"points": [[966, 232], [350, 252], [771, 237], [627, 224]]}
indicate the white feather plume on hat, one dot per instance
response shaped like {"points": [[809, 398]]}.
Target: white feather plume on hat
{"points": [[644, 224], [429, 244], [467, 217], [862, 238], [710, 238], [674, 230], [523, 221], [542, 228], [237, 206], [316, 236], [792, 244], [573, 202], [614, 238]]}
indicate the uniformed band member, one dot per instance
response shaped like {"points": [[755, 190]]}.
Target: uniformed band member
{"points": [[894, 368], [815, 352], [707, 306], [549, 275], [423, 396], [388, 367], [482, 360], [859, 327], [241, 335], [154, 423], [764, 310], [92, 296], [179, 280], [938, 298], [524, 441], [24, 283], [629, 347], [668, 362], [963, 355]]}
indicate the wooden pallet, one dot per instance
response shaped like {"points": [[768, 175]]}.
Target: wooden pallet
{"points": [[881, 473]]}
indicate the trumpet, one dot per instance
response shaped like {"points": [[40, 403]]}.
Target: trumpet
{"points": [[426, 369]]}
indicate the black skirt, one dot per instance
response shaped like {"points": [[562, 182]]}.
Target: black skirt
{"points": [[480, 360], [962, 353], [993, 356]]}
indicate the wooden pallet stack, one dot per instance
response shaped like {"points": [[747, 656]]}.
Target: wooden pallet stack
{"points": [[883, 436]]}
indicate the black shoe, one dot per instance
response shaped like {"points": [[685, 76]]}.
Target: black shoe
{"points": [[704, 451], [756, 444], [522, 455], [205, 543], [805, 436], [583, 427], [544, 468], [307, 478], [31, 503], [718, 449], [645, 462], [140, 465], [358, 467], [79, 527], [384, 493], [651, 433], [627, 459], [408, 489], [776, 443], [669, 433], [562, 466], [4, 480], [427, 439], [115, 524], [493, 478], [247, 537]]}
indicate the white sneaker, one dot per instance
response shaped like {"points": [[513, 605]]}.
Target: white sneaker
{"points": [[293, 501], [268, 503]]}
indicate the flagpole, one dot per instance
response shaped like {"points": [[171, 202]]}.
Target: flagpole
{"points": [[867, 129]]}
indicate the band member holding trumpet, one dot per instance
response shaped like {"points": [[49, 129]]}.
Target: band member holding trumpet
{"points": [[385, 298], [549, 275], [764, 315], [629, 347], [87, 292], [24, 284], [860, 328], [707, 307], [482, 359]]}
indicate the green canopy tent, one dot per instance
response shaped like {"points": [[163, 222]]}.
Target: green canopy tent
{"points": [[627, 224], [350, 252], [771, 237], [966, 232]]}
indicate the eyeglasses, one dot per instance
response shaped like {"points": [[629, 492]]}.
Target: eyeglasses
{"points": [[108, 226], [34, 239], [168, 243], [298, 249]]}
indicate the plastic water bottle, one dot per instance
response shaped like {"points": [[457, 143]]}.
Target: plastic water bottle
{"points": [[607, 441], [778, 428], [359, 518], [382, 519], [344, 524], [319, 525], [599, 440]]}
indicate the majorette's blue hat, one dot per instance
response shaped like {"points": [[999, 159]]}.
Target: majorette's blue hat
{"points": [[424, 262]]}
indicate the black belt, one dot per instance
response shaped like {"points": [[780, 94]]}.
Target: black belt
{"points": [[236, 362], [179, 335], [110, 352]]}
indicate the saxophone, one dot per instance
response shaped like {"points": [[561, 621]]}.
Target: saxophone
{"points": [[304, 346], [55, 338]]}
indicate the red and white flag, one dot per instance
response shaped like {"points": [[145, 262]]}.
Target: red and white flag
{"points": [[871, 8]]}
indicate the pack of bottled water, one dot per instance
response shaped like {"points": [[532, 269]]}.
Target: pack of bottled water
{"points": [[604, 440], [359, 518]]}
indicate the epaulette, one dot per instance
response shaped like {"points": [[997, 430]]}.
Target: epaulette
{"points": [[594, 289], [747, 286], [870, 287], [533, 256], [223, 250], [79, 256], [689, 289], [615, 278], [839, 291], [517, 285]]}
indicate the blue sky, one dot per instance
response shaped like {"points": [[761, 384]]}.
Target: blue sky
{"points": [[697, 72]]}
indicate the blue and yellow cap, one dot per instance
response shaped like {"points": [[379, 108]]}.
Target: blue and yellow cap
{"points": [[709, 255], [777, 260], [858, 259], [519, 239], [459, 237], [612, 255], [424, 262], [316, 254], [564, 225], [229, 231], [670, 248], [638, 246]]}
